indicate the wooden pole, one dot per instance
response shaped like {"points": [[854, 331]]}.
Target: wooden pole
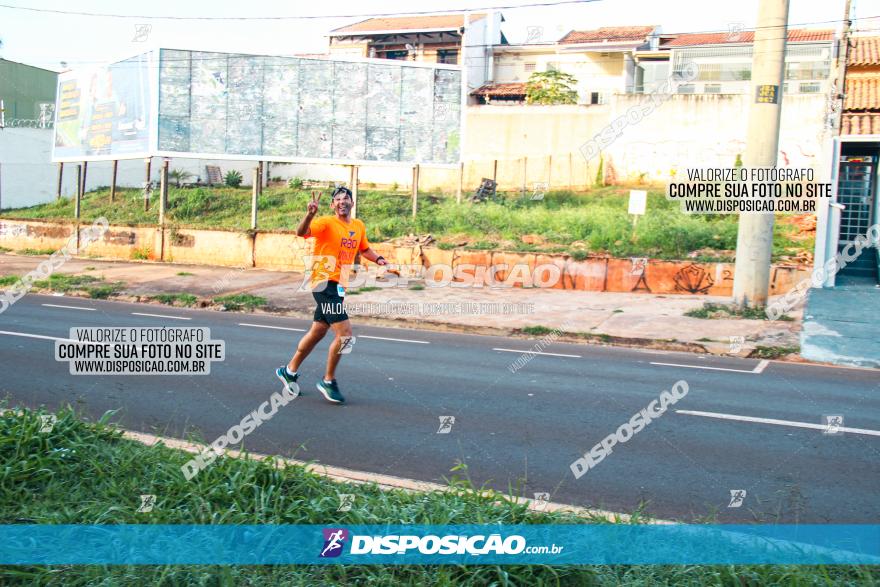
{"points": [[148, 162], [460, 182], [113, 180], [163, 192], [495, 172], [255, 193], [415, 190], [78, 191], [353, 185], [85, 171], [60, 179]]}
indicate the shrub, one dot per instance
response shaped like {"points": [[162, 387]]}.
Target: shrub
{"points": [[295, 183], [233, 178]]}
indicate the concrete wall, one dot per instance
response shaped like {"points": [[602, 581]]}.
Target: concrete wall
{"points": [[532, 144], [284, 252]]}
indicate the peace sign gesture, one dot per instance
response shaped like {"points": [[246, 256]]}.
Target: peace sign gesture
{"points": [[313, 203]]}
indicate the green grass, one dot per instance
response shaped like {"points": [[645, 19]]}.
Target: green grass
{"points": [[5, 250], [35, 251], [86, 473], [175, 299], [537, 330], [773, 352], [94, 286], [185, 273], [416, 287], [236, 302], [596, 221], [8, 280], [711, 311]]}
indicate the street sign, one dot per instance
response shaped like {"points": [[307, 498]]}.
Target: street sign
{"points": [[638, 200]]}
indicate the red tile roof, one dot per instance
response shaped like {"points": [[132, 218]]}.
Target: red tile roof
{"points": [[860, 124], [862, 93], [611, 34], [512, 89], [406, 23], [794, 36], [864, 51]]}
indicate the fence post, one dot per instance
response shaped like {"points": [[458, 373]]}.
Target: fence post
{"points": [[353, 185], [163, 192], [495, 171], [60, 179], [85, 171], [113, 180], [255, 192], [460, 182], [78, 191], [148, 162], [415, 190]]}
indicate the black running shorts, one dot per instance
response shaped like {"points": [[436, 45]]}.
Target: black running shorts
{"points": [[329, 305]]}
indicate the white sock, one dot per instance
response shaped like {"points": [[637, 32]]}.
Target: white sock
{"points": [[289, 372]]}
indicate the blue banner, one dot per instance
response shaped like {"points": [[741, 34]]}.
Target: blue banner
{"points": [[586, 544]]}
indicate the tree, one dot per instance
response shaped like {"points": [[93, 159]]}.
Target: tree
{"points": [[551, 87]]}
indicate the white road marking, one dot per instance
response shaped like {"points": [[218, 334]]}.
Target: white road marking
{"points": [[394, 339], [710, 368], [160, 316], [68, 307], [272, 327], [522, 352], [776, 422], [759, 368]]}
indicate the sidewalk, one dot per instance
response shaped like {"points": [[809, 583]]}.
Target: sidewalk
{"points": [[629, 319]]}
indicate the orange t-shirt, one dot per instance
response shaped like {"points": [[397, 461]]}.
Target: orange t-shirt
{"points": [[336, 244]]}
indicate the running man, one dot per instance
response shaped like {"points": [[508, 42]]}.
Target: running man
{"points": [[338, 239]]}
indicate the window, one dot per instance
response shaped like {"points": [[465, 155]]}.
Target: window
{"points": [[552, 66], [811, 88], [712, 88], [594, 98], [530, 67], [401, 55], [448, 56], [686, 89]]}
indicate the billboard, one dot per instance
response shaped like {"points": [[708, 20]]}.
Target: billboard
{"points": [[234, 106], [104, 111]]}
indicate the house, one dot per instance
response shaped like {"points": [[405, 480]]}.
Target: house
{"points": [[855, 206], [602, 61], [455, 39], [725, 61], [28, 94]]}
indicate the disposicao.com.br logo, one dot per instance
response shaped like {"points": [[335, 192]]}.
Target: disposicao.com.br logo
{"points": [[431, 544]]}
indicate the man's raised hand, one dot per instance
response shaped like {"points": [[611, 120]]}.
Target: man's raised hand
{"points": [[313, 203]]}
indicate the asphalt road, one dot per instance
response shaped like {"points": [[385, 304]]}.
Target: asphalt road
{"points": [[520, 429]]}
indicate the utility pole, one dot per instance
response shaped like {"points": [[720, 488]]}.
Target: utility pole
{"points": [[754, 241], [840, 74]]}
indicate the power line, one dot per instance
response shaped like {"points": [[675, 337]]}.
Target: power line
{"points": [[303, 17]]}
